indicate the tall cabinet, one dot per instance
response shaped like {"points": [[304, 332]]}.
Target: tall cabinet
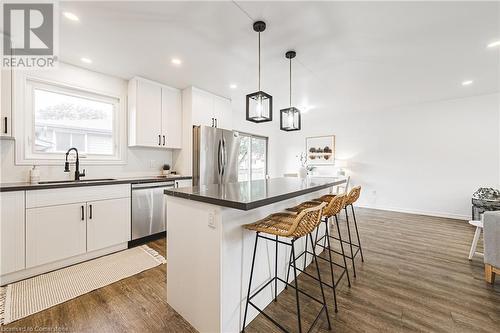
{"points": [[155, 118], [199, 108]]}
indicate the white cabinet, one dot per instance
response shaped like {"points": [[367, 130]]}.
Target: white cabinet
{"points": [[5, 102], [171, 120], [155, 114], [108, 223], [6, 84], [210, 110], [12, 233], [183, 183], [54, 233], [63, 223]]}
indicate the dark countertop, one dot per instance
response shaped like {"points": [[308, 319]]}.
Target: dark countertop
{"points": [[25, 186], [254, 194]]}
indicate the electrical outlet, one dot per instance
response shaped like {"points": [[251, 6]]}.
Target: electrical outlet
{"points": [[211, 220]]}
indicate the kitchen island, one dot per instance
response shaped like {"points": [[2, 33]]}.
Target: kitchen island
{"points": [[209, 254]]}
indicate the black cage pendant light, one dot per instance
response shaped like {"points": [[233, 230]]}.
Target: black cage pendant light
{"points": [[259, 104], [290, 117]]}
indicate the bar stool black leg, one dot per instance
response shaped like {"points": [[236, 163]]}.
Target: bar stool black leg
{"points": [[296, 285], [357, 233], [350, 242], [305, 255], [327, 236], [321, 283], [288, 271], [343, 253], [250, 282], [276, 271]]}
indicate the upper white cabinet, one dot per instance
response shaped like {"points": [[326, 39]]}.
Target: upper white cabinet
{"points": [[208, 109], [12, 236], [155, 114], [6, 102], [171, 117]]}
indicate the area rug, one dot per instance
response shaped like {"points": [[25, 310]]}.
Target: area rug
{"points": [[23, 298]]}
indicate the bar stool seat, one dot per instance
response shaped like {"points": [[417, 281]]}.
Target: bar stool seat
{"points": [[292, 226]]}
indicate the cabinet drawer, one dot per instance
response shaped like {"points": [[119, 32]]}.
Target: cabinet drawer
{"points": [[68, 195]]}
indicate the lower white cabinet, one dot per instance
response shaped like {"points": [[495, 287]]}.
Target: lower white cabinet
{"points": [[12, 232], [54, 233], [108, 223]]}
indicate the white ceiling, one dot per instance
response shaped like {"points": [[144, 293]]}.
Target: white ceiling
{"points": [[351, 56]]}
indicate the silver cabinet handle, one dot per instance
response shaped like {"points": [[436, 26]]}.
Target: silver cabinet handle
{"points": [[5, 123], [159, 140], [216, 122], [83, 213], [164, 140], [90, 212]]}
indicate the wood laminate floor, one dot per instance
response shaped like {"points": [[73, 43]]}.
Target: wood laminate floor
{"points": [[416, 277]]}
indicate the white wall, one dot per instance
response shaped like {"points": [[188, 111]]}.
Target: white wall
{"points": [[427, 158], [139, 161]]}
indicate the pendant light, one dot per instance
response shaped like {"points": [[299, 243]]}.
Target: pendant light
{"points": [[290, 117], [259, 104]]}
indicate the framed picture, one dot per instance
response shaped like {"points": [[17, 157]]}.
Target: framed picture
{"points": [[320, 150]]}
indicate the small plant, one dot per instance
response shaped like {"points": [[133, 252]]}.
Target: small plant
{"points": [[302, 159]]}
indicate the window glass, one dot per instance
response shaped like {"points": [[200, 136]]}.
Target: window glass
{"points": [[63, 121], [252, 158]]}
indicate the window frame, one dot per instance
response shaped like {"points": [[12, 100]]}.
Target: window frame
{"points": [[25, 154], [250, 136]]}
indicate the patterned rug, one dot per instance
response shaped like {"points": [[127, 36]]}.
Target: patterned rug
{"points": [[23, 298]]}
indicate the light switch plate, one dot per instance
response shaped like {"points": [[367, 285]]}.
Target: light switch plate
{"points": [[211, 220]]}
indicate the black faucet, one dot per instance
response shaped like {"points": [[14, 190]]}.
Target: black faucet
{"points": [[78, 174]]}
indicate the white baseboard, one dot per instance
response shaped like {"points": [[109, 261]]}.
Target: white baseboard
{"points": [[418, 212]]}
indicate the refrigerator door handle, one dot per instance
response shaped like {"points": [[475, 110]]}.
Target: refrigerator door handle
{"points": [[224, 158], [219, 157]]}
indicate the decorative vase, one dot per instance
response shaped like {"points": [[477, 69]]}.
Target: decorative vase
{"points": [[302, 172]]}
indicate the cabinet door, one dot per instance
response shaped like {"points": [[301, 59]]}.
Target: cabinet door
{"points": [[171, 118], [11, 232], [108, 223], [223, 112], [183, 183], [148, 114], [5, 102], [54, 233], [202, 108]]}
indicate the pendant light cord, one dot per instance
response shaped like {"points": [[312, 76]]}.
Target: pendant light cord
{"points": [[290, 82], [259, 61]]}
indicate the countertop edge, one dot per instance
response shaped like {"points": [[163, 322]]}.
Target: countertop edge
{"points": [[138, 180], [250, 205]]}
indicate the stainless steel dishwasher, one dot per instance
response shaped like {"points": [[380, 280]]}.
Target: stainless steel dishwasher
{"points": [[148, 209]]}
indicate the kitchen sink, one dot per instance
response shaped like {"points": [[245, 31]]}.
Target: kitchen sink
{"points": [[75, 181]]}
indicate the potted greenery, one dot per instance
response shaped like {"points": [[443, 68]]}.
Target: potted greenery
{"points": [[165, 170]]}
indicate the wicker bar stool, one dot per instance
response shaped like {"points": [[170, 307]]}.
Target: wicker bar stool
{"points": [[352, 197], [292, 226], [334, 205]]}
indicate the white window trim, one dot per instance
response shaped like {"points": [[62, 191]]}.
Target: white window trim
{"points": [[24, 126]]}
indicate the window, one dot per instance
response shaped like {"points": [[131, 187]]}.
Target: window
{"points": [[59, 117], [252, 158]]}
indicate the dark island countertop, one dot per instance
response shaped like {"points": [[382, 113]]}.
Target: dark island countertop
{"points": [[253, 194], [26, 186]]}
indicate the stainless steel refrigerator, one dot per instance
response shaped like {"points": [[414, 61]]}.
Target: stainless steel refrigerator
{"points": [[215, 155]]}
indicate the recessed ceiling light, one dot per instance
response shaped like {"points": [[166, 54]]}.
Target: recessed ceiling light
{"points": [[71, 16], [233, 86], [497, 43], [176, 61], [467, 83], [86, 60]]}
